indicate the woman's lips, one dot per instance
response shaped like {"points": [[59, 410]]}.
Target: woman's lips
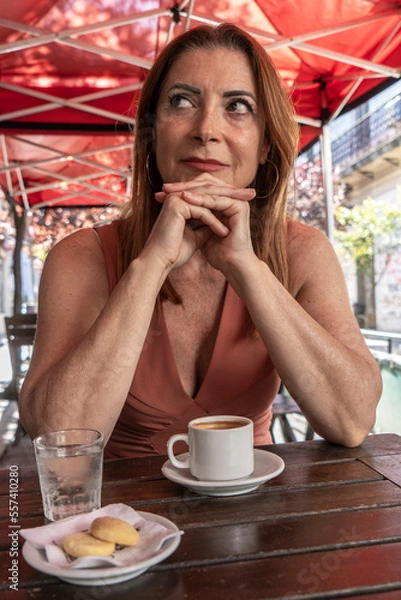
{"points": [[200, 164]]}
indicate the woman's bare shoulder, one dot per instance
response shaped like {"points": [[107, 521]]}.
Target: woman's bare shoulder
{"points": [[309, 252], [79, 250], [299, 234], [83, 239], [77, 263], [306, 241]]}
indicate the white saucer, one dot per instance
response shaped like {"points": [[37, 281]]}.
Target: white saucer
{"points": [[101, 575], [267, 466]]}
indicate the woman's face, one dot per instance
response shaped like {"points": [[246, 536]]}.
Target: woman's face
{"points": [[208, 119]]}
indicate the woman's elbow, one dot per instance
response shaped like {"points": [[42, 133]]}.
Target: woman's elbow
{"points": [[26, 412], [356, 437], [364, 422]]}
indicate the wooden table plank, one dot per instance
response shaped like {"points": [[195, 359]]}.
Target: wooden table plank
{"points": [[27, 480], [114, 471], [192, 510], [281, 577], [140, 490], [286, 533], [330, 574], [312, 572], [254, 540], [298, 576], [297, 453], [323, 474], [310, 452], [293, 453], [396, 595], [389, 466], [287, 536], [328, 527], [117, 472], [172, 593], [267, 502]]}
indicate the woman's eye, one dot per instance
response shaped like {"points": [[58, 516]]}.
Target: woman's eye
{"points": [[241, 107], [179, 101]]}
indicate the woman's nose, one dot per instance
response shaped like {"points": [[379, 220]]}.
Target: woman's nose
{"points": [[207, 127]]}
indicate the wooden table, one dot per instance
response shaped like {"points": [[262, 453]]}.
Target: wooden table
{"points": [[328, 527]]}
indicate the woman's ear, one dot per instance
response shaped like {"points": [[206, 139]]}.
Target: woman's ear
{"points": [[153, 136], [264, 153]]}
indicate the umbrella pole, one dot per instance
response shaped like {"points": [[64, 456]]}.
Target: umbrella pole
{"points": [[19, 217], [327, 169]]}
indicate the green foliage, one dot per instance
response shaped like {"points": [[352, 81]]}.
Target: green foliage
{"points": [[369, 228]]}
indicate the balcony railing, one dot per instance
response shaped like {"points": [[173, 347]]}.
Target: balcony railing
{"points": [[384, 341], [374, 132]]}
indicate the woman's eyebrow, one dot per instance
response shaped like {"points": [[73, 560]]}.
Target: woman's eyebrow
{"points": [[228, 94], [231, 93], [185, 86]]}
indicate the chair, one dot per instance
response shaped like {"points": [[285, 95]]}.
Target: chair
{"points": [[20, 331], [283, 406]]}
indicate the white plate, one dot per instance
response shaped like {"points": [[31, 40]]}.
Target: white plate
{"points": [[267, 466], [100, 575]]}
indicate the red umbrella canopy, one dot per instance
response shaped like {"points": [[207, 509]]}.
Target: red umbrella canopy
{"points": [[71, 71]]}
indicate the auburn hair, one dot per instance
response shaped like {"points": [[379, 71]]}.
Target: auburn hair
{"points": [[269, 207]]}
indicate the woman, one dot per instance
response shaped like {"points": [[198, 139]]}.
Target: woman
{"points": [[204, 296]]}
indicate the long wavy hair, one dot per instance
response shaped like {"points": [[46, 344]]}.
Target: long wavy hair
{"points": [[269, 207]]}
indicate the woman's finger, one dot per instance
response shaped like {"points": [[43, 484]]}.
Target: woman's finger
{"points": [[214, 203], [195, 196], [202, 179], [197, 212], [161, 196], [210, 189]]}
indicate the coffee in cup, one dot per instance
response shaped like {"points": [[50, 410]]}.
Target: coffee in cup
{"points": [[219, 424], [220, 448]]}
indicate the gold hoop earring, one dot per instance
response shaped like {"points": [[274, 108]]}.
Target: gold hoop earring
{"points": [[150, 166], [267, 194]]}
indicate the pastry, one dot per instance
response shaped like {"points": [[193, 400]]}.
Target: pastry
{"points": [[111, 529], [83, 544]]}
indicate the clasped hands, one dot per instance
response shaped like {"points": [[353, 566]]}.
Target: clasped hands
{"points": [[204, 214]]}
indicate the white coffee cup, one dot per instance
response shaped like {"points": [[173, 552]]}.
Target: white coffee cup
{"points": [[220, 448]]}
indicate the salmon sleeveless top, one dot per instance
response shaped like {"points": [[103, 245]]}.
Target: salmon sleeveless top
{"points": [[240, 380]]}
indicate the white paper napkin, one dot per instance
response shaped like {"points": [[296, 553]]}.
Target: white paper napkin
{"points": [[50, 537]]}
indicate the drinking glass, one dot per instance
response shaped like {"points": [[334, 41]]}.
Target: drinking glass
{"points": [[70, 466]]}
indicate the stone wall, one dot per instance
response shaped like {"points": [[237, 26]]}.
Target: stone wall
{"points": [[388, 290], [388, 296]]}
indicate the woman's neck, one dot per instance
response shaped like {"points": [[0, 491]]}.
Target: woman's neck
{"points": [[196, 270]]}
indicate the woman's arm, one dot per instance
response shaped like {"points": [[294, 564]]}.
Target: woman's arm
{"points": [[87, 344], [313, 338], [310, 332]]}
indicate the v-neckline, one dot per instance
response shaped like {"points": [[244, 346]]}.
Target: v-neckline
{"points": [[201, 388]]}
